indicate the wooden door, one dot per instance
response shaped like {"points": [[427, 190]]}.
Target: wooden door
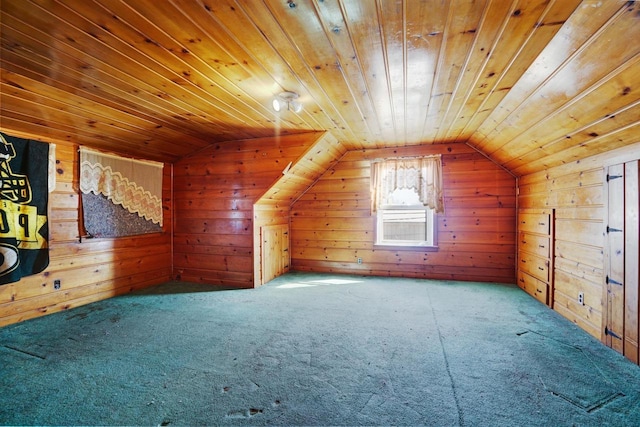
{"points": [[275, 251], [621, 308], [632, 258]]}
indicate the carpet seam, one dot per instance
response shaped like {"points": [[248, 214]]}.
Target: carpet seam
{"points": [[448, 368]]}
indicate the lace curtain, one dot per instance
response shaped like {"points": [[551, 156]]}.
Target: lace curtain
{"points": [[136, 185], [423, 175]]}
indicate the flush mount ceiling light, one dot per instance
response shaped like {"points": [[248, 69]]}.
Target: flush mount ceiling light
{"points": [[287, 100]]}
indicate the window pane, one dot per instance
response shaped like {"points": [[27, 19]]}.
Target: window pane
{"points": [[408, 225], [404, 196]]}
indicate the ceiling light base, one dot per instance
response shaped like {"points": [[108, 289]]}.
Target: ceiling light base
{"points": [[287, 99]]}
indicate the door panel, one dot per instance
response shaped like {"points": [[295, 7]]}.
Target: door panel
{"points": [[621, 297], [632, 258], [275, 251], [615, 276]]}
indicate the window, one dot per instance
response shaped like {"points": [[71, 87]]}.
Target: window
{"points": [[120, 196], [406, 194], [405, 221]]}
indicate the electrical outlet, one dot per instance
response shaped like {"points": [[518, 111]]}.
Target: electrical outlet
{"points": [[359, 260], [56, 284], [581, 298]]}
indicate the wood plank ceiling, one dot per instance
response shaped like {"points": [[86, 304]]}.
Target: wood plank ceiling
{"points": [[530, 83]]}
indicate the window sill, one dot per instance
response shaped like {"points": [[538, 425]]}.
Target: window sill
{"points": [[88, 237], [408, 247]]}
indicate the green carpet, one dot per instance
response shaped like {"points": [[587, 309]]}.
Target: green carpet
{"points": [[312, 349], [568, 372]]}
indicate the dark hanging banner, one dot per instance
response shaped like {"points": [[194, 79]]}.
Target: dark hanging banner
{"points": [[24, 230]]}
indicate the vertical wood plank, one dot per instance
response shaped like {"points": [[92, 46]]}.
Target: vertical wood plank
{"points": [[275, 250], [605, 262], [284, 254], [552, 258], [615, 273], [269, 240], [632, 259]]}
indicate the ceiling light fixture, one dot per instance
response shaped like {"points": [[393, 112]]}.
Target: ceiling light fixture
{"points": [[287, 100]]}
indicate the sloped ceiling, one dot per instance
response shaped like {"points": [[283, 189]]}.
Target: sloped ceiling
{"points": [[531, 83]]}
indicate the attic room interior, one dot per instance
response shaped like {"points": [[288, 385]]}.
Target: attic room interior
{"points": [[267, 129]]}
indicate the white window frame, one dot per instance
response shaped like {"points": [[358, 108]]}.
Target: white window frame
{"points": [[429, 240]]}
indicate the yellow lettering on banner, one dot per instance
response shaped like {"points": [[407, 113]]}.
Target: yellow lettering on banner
{"points": [[22, 222], [38, 242], [25, 218], [6, 219], [4, 224]]}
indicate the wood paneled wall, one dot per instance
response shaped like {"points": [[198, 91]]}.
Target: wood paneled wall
{"points": [[576, 191], [332, 225], [89, 269], [215, 191], [273, 208]]}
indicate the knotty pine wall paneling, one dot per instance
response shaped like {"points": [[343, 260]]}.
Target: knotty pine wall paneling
{"points": [[575, 190], [89, 269], [272, 211], [215, 191], [332, 225]]}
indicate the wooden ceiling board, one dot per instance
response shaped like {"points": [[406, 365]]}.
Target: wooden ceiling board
{"points": [[571, 81], [279, 53], [530, 83], [74, 76], [424, 37], [69, 89], [181, 66], [487, 34], [458, 41], [502, 56], [611, 105], [553, 77], [69, 122], [567, 39], [339, 79], [594, 89], [621, 137], [100, 46], [532, 28], [392, 17], [209, 102]]}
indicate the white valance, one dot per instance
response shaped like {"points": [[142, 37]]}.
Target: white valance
{"points": [[136, 185], [423, 175]]}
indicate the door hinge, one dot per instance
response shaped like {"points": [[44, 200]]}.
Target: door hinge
{"points": [[611, 230], [608, 331], [612, 281], [611, 177]]}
